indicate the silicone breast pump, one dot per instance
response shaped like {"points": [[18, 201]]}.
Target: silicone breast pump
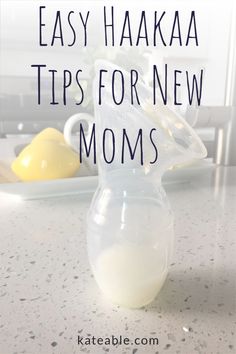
{"points": [[129, 224]]}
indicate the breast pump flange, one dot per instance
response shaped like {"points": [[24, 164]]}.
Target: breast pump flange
{"points": [[130, 233]]}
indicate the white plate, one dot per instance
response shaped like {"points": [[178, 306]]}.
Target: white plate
{"points": [[82, 184], [42, 189]]}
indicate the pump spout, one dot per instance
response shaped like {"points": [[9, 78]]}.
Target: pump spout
{"points": [[179, 144]]}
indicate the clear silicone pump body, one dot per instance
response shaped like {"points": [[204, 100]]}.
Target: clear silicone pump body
{"points": [[130, 232]]}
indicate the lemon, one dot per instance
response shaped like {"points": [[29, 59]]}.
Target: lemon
{"points": [[46, 159], [49, 134]]}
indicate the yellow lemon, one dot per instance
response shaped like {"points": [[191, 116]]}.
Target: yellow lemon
{"points": [[49, 134], [45, 159]]}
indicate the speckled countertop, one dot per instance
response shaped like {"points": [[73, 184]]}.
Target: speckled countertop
{"points": [[48, 295]]}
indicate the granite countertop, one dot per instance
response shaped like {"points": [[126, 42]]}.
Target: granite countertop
{"points": [[48, 296]]}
